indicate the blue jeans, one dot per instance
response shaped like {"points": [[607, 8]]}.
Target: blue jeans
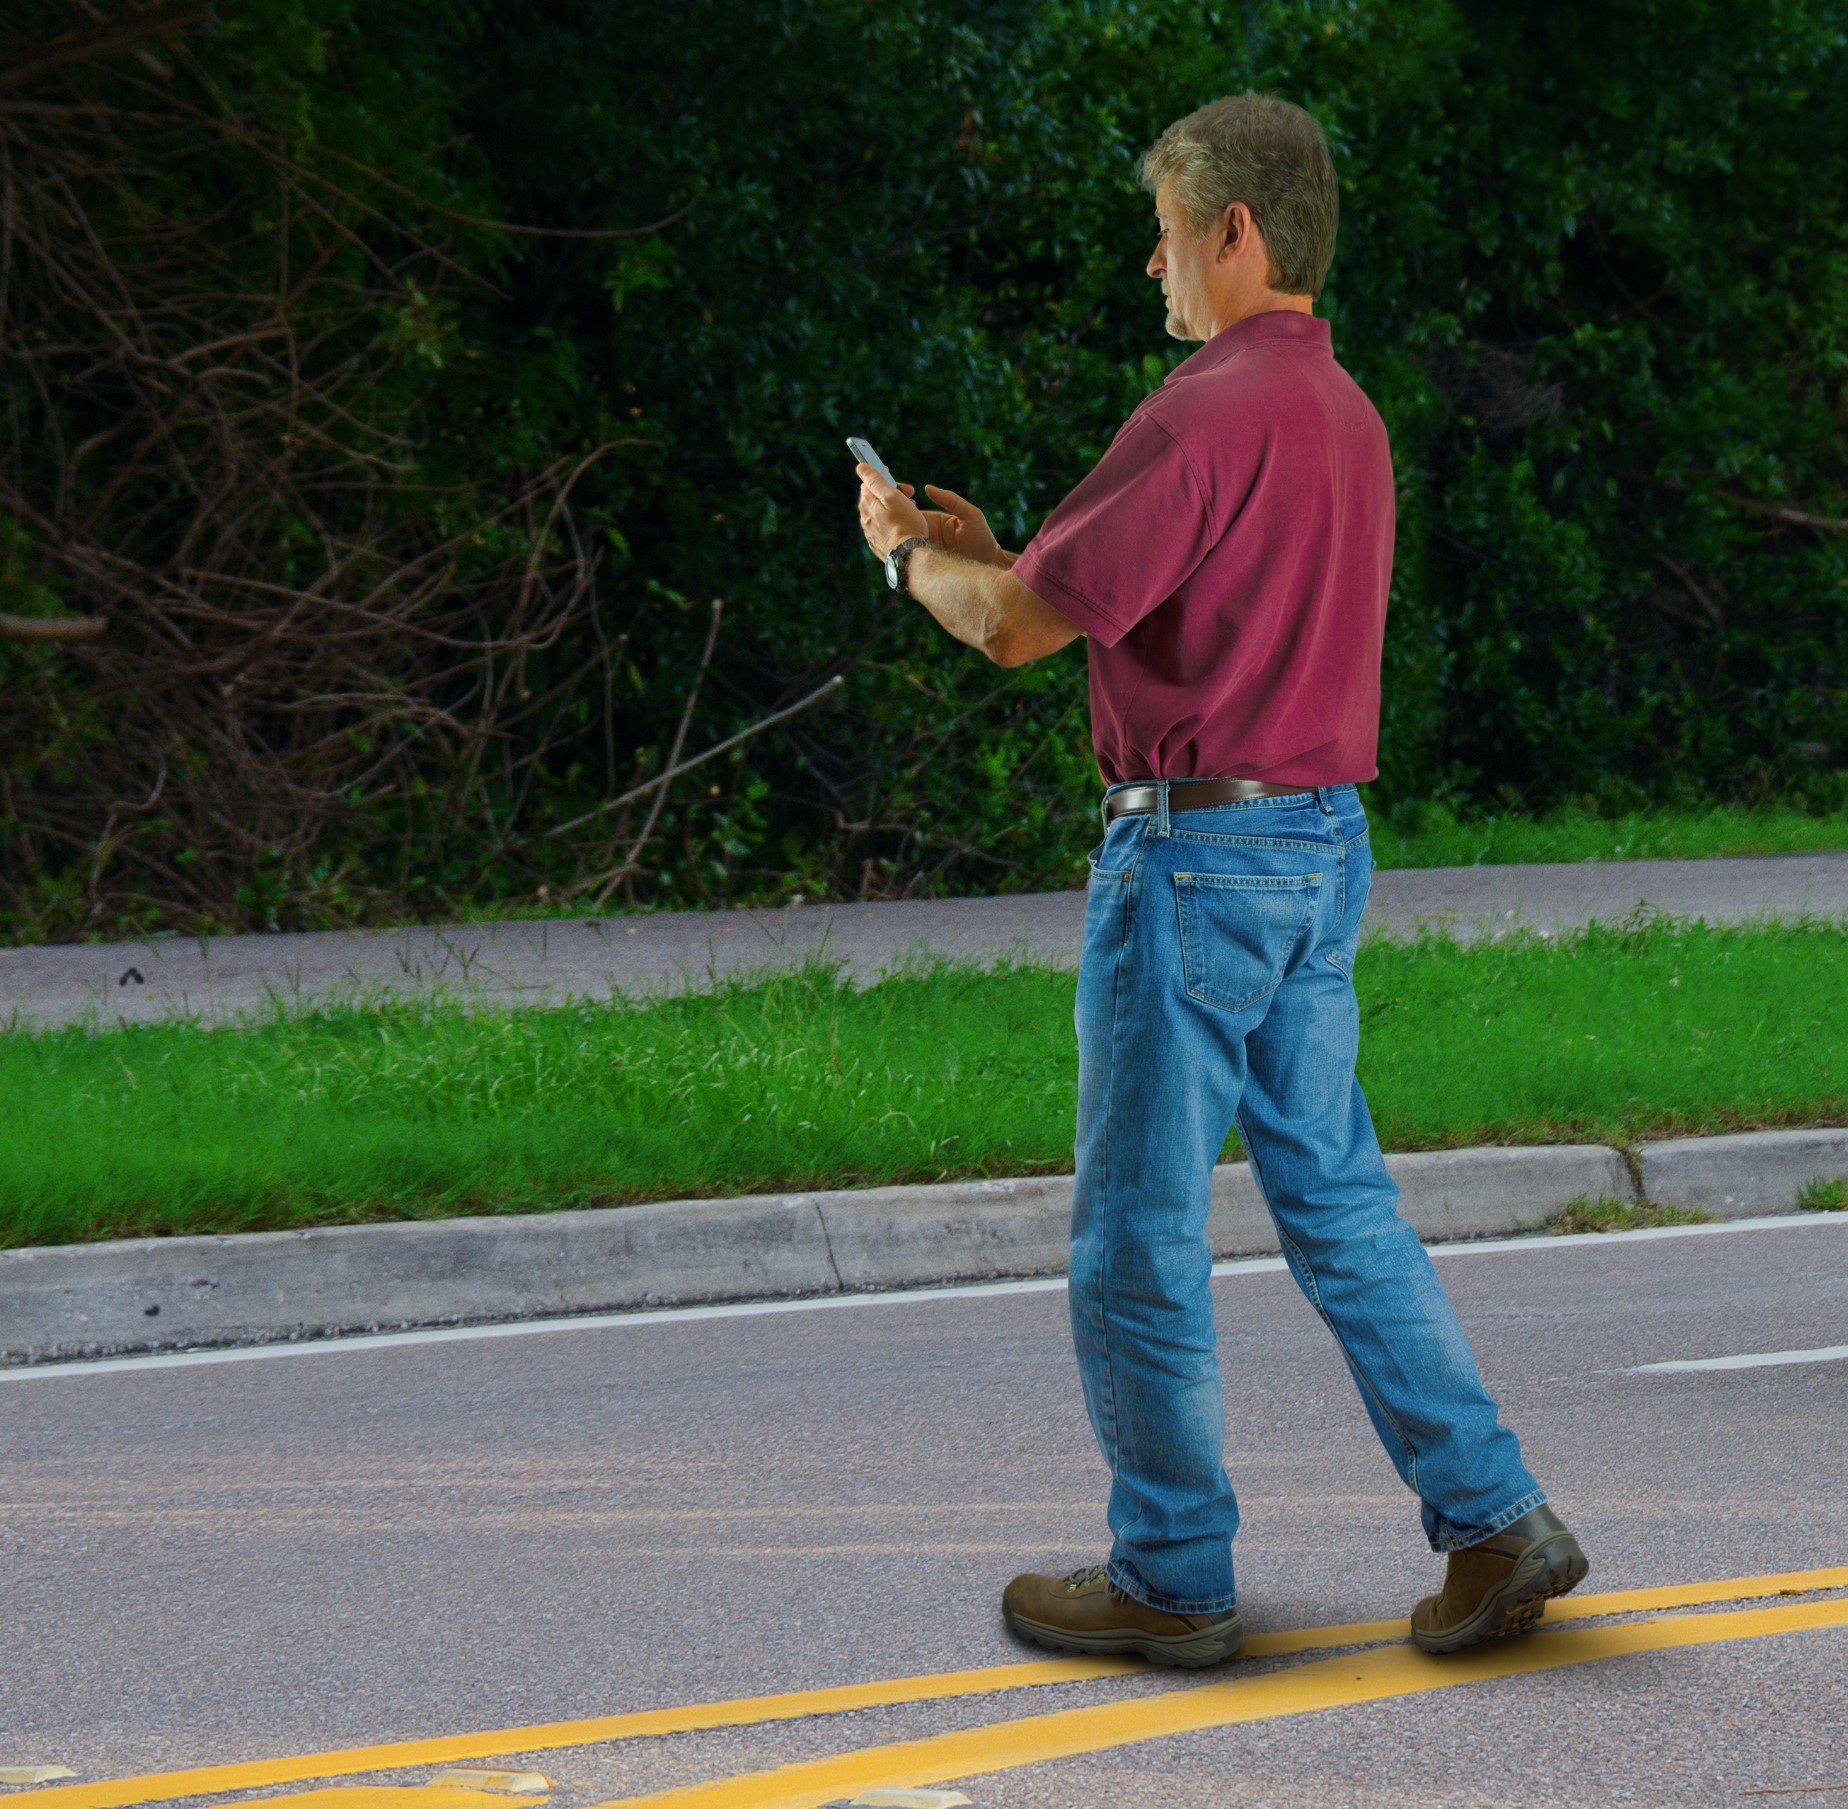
{"points": [[1216, 988]]}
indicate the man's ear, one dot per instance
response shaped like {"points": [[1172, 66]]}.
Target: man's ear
{"points": [[1238, 228]]}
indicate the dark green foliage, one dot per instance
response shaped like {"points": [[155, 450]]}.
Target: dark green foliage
{"points": [[1642, 355], [1593, 269]]}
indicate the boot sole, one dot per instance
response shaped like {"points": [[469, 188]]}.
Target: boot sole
{"points": [[1551, 1568], [1187, 1651]]}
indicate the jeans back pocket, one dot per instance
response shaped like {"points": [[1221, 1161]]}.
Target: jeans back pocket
{"points": [[1240, 932]]}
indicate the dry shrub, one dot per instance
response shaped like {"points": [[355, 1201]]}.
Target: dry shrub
{"points": [[214, 431]]}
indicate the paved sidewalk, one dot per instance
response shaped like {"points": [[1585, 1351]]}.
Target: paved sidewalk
{"points": [[539, 962]]}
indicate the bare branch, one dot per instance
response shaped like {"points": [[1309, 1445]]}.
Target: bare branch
{"points": [[209, 448], [607, 881], [110, 38], [1715, 616], [712, 753], [1798, 518], [536, 232], [51, 628]]}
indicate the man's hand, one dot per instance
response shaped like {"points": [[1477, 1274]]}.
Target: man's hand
{"points": [[958, 526], [887, 515], [964, 579]]}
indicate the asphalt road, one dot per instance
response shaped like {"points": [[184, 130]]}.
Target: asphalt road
{"points": [[548, 960], [241, 1559]]}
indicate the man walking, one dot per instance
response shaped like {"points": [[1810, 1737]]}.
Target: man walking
{"points": [[1228, 560]]}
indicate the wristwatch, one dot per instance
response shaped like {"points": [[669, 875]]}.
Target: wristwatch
{"points": [[899, 558]]}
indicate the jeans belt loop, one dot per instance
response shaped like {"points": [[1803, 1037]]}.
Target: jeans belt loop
{"points": [[1161, 806]]}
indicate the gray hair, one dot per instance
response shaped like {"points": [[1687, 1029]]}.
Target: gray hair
{"points": [[1268, 154]]}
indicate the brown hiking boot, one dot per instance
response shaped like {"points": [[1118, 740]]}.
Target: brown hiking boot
{"points": [[1086, 1612], [1501, 1585]]}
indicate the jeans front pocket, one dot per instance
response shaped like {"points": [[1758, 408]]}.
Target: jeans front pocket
{"points": [[1239, 932], [1115, 856], [1355, 875]]}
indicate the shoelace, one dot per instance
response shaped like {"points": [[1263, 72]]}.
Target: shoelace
{"points": [[1079, 1579]]}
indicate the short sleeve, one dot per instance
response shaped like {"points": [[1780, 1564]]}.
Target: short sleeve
{"points": [[1125, 539]]}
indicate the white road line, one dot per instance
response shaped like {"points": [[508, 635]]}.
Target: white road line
{"points": [[1535, 1244], [1780, 1221], [1831, 1353]]}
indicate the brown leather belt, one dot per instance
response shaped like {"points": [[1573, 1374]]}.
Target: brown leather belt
{"points": [[1192, 794]]}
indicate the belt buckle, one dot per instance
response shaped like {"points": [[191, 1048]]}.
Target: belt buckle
{"points": [[1108, 807]]}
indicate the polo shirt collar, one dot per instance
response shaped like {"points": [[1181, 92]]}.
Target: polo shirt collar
{"points": [[1278, 324]]}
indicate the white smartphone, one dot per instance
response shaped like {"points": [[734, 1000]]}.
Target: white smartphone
{"points": [[863, 451]]}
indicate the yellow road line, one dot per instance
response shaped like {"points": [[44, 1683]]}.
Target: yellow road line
{"points": [[160, 1787], [1370, 1676], [446, 1749]]}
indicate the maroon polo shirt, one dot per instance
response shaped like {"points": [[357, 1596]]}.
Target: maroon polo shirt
{"points": [[1229, 559]]}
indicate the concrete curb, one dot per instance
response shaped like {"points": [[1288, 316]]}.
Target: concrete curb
{"points": [[166, 1293], [1750, 1172]]}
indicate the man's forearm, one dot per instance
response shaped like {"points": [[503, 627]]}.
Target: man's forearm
{"points": [[987, 607], [969, 599]]}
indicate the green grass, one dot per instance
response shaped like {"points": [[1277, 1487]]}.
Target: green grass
{"points": [[1824, 1196], [414, 1110], [1607, 1214], [1430, 835]]}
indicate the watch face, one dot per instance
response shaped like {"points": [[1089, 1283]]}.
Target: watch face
{"points": [[891, 565]]}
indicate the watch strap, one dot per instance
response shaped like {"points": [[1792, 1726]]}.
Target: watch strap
{"points": [[901, 561]]}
